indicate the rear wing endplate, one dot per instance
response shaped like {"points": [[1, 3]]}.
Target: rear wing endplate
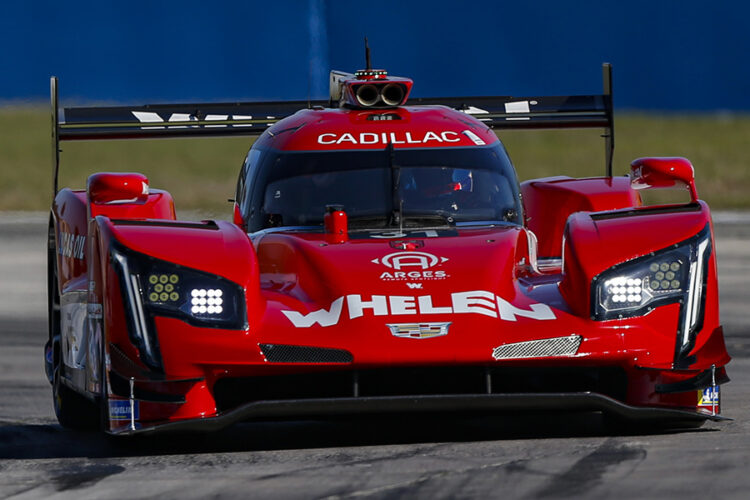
{"points": [[252, 118]]}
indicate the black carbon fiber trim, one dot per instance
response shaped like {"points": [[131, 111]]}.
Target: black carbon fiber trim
{"points": [[279, 353], [578, 402], [633, 212], [209, 224]]}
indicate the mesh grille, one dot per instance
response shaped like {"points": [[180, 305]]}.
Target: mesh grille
{"points": [[278, 353], [559, 346]]}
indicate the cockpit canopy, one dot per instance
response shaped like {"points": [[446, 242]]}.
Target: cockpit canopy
{"points": [[380, 188]]}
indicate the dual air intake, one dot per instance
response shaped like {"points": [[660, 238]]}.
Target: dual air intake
{"points": [[368, 89], [372, 94]]}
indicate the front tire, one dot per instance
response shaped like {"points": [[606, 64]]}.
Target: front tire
{"points": [[73, 410]]}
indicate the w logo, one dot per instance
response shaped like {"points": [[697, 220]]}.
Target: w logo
{"points": [[414, 285]]}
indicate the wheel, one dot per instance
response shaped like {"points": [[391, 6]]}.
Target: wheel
{"points": [[103, 409], [72, 409]]}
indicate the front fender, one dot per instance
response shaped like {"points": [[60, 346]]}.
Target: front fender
{"points": [[596, 241]]}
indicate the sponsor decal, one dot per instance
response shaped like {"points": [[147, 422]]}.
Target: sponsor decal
{"points": [[411, 265], [72, 245], [120, 409], [414, 285], [419, 330], [400, 260], [471, 302], [518, 107], [474, 138], [223, 121], [709, 397], [72, 329], [473, 110], [385, 138], [94, 311]]}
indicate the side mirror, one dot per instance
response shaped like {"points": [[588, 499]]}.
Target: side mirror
{"points": [[110, 188], [663, 172]]}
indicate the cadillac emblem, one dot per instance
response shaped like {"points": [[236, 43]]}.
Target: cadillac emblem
{"points": [[419, 330]]}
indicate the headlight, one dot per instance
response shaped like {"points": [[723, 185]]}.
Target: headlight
{"points": [[674, 274], [153, 287], [637, 287], [196, 297]]}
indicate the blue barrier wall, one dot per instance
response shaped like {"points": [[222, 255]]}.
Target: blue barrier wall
{"points": [[667, 54]]}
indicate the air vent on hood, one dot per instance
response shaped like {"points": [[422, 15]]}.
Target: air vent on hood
{"points": [[209, 224]]}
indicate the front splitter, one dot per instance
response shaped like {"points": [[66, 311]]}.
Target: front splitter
{"points": [[460, 403]]}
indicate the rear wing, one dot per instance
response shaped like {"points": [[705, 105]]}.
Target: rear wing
{"points": [[579, 111], [252, 118]]}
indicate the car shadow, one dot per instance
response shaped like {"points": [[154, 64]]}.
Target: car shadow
{"points": [[52, 441]]}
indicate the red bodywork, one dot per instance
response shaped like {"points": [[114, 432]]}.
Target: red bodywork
{"points": [[340, 323]]}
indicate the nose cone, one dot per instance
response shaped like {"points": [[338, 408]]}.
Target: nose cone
{"points": [[307, 267], [438, 298]]}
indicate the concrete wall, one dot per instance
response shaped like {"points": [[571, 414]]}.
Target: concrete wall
{"points": [[667, 54]]}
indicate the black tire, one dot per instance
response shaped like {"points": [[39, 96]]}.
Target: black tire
{"points": [[103, 407], [73, 410]]}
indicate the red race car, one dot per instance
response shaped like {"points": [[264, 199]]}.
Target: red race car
{"points": [[382, 258]]}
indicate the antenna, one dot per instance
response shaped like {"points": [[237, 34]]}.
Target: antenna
{"points": [[609, 131], [401, 218], [367, 54], [309, 84]]}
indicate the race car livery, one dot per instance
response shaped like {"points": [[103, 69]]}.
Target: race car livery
{"points": [[381, 257]]}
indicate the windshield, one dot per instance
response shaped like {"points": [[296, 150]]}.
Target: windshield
{"points": [[390, 187]]}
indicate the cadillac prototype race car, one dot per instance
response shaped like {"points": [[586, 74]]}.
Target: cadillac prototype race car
{"points": [[382, 257]]}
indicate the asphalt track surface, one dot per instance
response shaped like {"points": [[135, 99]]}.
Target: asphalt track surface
{"points": [[427, 457]]}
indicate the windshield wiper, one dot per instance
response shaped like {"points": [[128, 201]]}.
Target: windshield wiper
{"points": [[368, 222], [441, 217]]}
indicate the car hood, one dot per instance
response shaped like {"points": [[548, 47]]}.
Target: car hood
{"points": [[308, 267], [368, 294]]}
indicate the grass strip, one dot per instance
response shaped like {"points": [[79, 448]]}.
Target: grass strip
{"points": [[201, 173]]}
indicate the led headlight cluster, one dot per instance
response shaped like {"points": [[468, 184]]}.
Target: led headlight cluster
{"points": [[638, 284], [675, 274], [163, 287], [625, 289], [197, 297], [665, 276], [159, 288], [166, 290], [206, 301]]}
